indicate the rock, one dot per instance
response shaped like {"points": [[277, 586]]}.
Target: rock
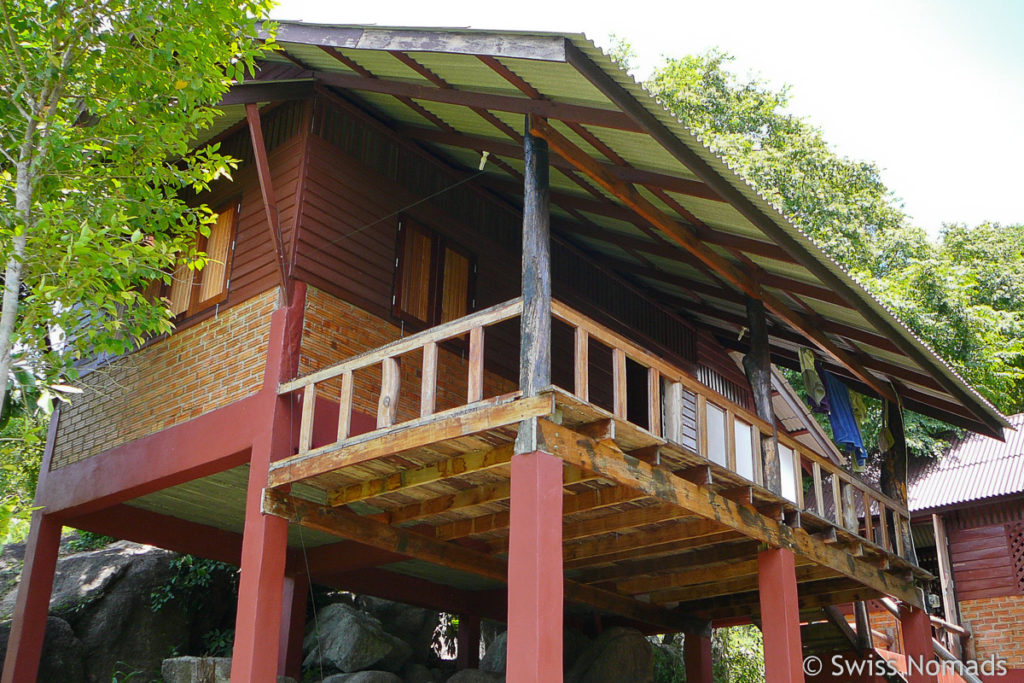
{"points": [[573, 644], [351, 641], [364, 677], [201, 670], [414, 672], [62, 657], [618, 654], [476, 676], [414, 625]]}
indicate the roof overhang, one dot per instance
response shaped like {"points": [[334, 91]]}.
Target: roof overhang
{"points": [[461, 92]]}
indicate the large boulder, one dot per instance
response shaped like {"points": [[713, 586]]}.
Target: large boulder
{"points": [[618, 654], [476, 676], [350, 641], [494, 659], [201, 670], [414, 625], [414, 672], [364, 677], [62, 658]]}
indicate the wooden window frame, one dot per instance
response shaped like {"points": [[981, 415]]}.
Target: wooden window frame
{"points": [[439, 244], [194, 304]]}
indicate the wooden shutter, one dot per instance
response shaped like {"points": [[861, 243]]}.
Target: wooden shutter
{"points": [[455, 281], [181, 289], [413, 286], [218, 251]]}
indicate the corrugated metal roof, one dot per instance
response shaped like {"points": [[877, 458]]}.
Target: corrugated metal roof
{"points": [[975, 468], [569, 70]]}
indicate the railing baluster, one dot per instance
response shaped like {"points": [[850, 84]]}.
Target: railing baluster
{"points": [[702, 425], [798, 475], [428, 380], [390, 382], [819, 495], [883, 525], [306, 424], [837, 501], [654, 401], [619, 383], [581, 371], [869, 516], [897, 523], [345, 406], [730, 441], [674, 412], [849, 507], [475, 391]]}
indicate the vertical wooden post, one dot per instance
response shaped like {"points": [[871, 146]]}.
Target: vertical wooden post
{"points": [[758, 366], [893, 476], [865, 640], [28, 630], [535, 323], [468, 645], [673, 406], [293, 625], [916, 628], [697, 658], [255, 656], [428, 382], [390, 384], [581, 373], [535, 592], [475, 390], [949, 605], [780, 616], [259, 152]]}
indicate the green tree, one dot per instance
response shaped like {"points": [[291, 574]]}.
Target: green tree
{"points": [[100, 105], [962, 295]]}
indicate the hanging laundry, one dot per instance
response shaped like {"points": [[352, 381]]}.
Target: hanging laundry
{"points": [[885, 438], [812, 381], [844, 425], [860, 411]]}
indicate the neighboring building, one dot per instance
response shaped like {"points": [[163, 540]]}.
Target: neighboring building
{"points": [[500, 384], [968, 519]]}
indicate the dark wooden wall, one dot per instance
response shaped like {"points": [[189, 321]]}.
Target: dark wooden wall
{"points": [[979, 550]]}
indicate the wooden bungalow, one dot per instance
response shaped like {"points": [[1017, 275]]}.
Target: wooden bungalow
{"points": [[470, 341]]}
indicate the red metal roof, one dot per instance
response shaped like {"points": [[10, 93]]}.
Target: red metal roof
{"points": [[976, 467]]}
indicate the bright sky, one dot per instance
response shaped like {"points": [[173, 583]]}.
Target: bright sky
{"points": [[930, 90]]}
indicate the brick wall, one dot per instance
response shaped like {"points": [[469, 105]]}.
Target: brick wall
{"points": [[182, 376], [334, 330], [998, 625]]}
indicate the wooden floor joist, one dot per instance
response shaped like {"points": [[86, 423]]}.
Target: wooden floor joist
{"points": [[606, 461], [415, 545], [628, 548]]}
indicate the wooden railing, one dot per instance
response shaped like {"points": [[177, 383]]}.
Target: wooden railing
{"points": [[729, 435], [722, 431]]}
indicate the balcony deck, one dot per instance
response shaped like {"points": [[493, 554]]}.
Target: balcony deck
{"points": [[649, 524]]}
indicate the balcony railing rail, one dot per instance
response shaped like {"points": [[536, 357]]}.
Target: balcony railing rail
{"points": [[726, 433]]}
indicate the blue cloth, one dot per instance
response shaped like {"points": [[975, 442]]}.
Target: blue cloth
{"points": [[844, 426]]}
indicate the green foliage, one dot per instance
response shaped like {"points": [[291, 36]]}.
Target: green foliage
{"points": [[22, 438], [446, 636], [85, 541], [667, 667], [964, 295], [100, 101], [218, 642], [738, 653], [192, 577]]}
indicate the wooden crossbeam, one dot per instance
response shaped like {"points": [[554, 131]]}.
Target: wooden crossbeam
{"points": [[631, 548], [681, 235], [637, 540], [463, 421], [728, 586], [655, 481], [698, 555], [417, 546]]}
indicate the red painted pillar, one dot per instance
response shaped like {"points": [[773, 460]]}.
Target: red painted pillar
{"points": [[293, 626], [535, 601], [468, 646], [780, 616], [916, 628], [25, 644], [255, 657], [697, 657]]}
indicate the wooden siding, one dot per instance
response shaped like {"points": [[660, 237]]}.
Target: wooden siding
{"points": [[981, 563]]}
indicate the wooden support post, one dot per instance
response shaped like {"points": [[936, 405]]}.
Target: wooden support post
{"points": [[780, 614], [673, 406], [949, 604], [535, 323], [428, 383], [468, 644], [535, 589], [293, 625], [259, 149], [25, 643], [697, 657], [916, 629], [893, 478], [475, 388], [581, 371], [758, 366], [390, 385], [865, 640]]}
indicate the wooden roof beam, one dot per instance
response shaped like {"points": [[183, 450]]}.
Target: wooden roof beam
{"points": [[724, 268]]}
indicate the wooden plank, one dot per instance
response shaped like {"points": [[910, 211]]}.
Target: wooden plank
{"points": [[673, 427], [850, 522], [731, 272], [699, 556], [535, 322], [428, 380], [637, 540], [345, 406], [689, 577], [607, 462], [819, 495], [949, 604], [619, 398], [415, 545], [476, 461], [630, 549], [475, 390], [252, 115], [449, 424], [390, 385], [581, 364], [306, 422], [739, 584], [438, 333], [883, 526], [837, 499], [654, 401]]}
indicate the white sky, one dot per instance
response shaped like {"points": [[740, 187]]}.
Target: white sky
{"points": [[932, 91]]}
